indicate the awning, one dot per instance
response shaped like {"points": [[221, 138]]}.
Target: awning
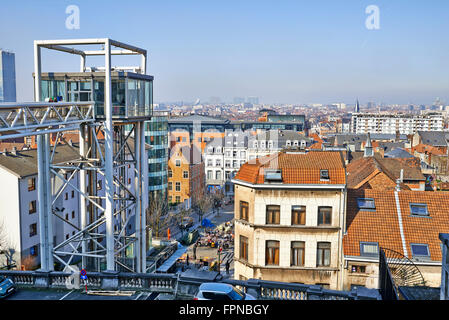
{"points": [[172, 260]]}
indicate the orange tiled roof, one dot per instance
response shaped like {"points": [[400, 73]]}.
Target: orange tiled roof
{"points": [[424, 148], [382, 224], [297, 168]]}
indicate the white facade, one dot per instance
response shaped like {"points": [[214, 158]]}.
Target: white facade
{"points": [[390, 123]]}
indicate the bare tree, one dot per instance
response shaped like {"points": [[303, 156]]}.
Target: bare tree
{"points": [[156, 212], [217, 200], [202, 204], [6, 249]]}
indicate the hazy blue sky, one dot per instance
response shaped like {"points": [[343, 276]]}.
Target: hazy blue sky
{"points": [[281, 51]]}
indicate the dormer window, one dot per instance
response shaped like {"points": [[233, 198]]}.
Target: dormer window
{"points": [[419, 209], [288, 143], [262, 144], [295, 143], [420, 250], [273, 175], [364, 203], [324, 174], [256, 144]]}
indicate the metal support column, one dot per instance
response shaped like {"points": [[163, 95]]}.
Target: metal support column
{"points": [[83, 202], [44, 200], [108, 178]]}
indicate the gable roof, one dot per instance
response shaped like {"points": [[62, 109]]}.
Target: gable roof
{"points": [[363, 169], [297, 168], [382, 224]]}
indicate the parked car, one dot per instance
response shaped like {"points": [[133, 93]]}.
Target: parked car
{"points": [[220, 291], [7, 286], [187, 222]]}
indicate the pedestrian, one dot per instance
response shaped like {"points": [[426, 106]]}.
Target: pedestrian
{"points": [[227, 266], [194, 252], [187, 259]]}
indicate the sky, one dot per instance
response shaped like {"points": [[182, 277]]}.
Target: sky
{"points": [[281, 51]]}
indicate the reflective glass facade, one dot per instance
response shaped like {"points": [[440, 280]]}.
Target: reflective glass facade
{"points": [[7, 77], [156, 135]]}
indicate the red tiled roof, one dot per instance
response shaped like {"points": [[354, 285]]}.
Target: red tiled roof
{"points": [[382, 224], [297, 168]]}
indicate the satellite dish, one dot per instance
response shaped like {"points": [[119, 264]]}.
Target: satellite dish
{"points": [[197, 102]]}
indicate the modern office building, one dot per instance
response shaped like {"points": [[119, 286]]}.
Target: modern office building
{"points": [[156, 135], [7, 77]]}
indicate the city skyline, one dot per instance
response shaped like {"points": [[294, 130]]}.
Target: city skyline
{"points": [[293, 52]]}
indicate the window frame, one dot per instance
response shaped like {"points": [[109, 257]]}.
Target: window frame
{"points": [[322, 176], [420, 256], [415, 204], [323, 254], [362, 253], [270, 217], [302, 215], [373, 208], [243, 247], [319, 214], [242, 205], [275, 254], [301, 249]]}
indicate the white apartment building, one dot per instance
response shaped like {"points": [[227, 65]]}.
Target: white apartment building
{"points": [[19, 210], [267, 142], [391, 123]]}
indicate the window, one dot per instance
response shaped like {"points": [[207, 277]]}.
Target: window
{"points": [[364, 203], [185, 174], [218, 175], [370, 249], [99, 184], [73, 194], [298, 215], [67, 216], [218, 163], [170, 199], [272, 252], [170, 185], [244, 210], [420, 250], [33, 229], [324, 216], [323, 254], [210, 174], [178, 163], [34, 250], [273, 214], [177, 186], [297, 253], [324, 174], [66, 196], [170, 173], [243, 248], [419, 209], [358, 269], [177, 199], [209, 162], [32, 207], [31, 184], [73, 214]]}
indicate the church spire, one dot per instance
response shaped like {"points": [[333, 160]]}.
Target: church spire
{"points": [[357, 107]]}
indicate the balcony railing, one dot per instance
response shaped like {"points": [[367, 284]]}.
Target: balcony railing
{"points": [[185, 286]]}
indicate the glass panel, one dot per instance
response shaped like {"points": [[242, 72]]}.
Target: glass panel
{"points": [[419, 209], [85, 86], [366, 203], [420, 250]]}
